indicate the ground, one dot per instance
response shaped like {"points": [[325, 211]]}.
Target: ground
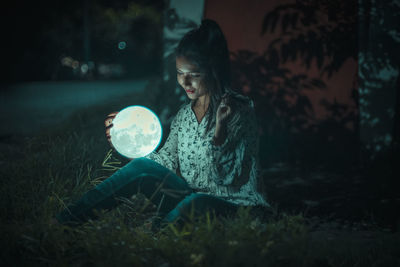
{"points": [[343, 209]]}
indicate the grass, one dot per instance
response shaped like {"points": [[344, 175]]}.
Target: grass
{"points": [[56, 167]]}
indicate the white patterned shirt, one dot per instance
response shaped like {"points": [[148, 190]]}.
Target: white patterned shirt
{"points": [[227, 171]]}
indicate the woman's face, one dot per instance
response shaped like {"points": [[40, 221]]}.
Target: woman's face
{"points": [[190, 78]]}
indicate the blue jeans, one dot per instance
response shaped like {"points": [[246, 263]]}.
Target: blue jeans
{"points": [[173, 196]]}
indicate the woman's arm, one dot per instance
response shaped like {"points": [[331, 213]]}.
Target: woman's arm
{"points": [[220, 134], [167, 156], [223, 113], [233, 154]]}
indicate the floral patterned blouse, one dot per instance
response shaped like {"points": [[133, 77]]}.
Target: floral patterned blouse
{"points": [[228, 171]]}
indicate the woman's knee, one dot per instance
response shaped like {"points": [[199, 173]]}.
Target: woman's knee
{"points": [[135, 168], [138, 163], [195, 201], [131, 174], [193, 198], [145, 165], [203, 202]]}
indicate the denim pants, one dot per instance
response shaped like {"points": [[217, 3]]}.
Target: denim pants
{"points": [[173, 196]]}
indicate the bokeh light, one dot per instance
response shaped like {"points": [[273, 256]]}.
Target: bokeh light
{"points": [[121, 45]]}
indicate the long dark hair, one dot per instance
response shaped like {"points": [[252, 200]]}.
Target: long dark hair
{"points": [[206, 46]]}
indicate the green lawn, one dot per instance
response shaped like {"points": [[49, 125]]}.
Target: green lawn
{"points": [[40, 175]]}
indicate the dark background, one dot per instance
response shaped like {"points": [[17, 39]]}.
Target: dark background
{"points": [[37, 36], [310, 67]]}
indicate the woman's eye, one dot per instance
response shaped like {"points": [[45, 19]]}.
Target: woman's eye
{"points": [[193, 75]]}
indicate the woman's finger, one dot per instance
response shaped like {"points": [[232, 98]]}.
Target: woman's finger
{"points": [[228, 110], [108, 121], [110, 117], [223, 102], [108, 129], [113, 114]]}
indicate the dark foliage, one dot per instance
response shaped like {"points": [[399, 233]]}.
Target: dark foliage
{"points": [[310, 31], [324, 31]]}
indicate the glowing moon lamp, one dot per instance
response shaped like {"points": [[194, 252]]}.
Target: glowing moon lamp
{"points": [[136, 132]]}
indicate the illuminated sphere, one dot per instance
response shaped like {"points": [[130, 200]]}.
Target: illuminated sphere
{"points": [[136, 132]]}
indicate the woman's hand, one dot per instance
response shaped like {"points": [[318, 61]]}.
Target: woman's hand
{"points": [[108, 124], [224, 110]]}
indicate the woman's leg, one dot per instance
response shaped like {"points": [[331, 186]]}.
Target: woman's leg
{"points": [[142, 175], [198, 204]]}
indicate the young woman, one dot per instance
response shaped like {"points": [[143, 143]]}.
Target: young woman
{"points": [[212, 145]]}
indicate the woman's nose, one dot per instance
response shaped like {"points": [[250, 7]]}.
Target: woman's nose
{"points": [[187, 80]]}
